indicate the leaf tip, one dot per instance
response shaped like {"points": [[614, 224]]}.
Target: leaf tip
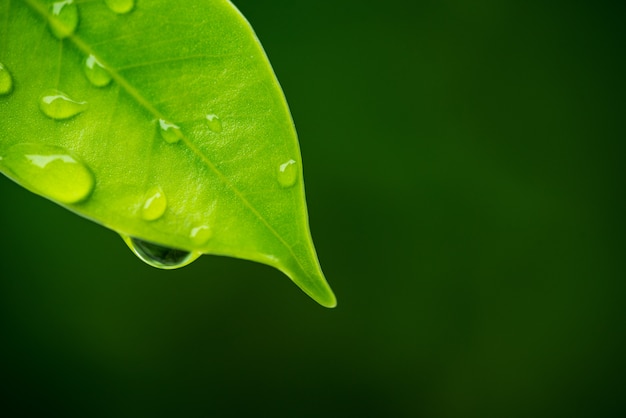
{"points": [[330, 302], [322, 295], [314, 284]]}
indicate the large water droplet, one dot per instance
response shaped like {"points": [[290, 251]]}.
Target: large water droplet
{"points": [[215, 124], [159, 256], [154, 204], [49, 170], [64, 18], [95, 72], [57, 105], [6, 81], [288, 173], [170, 132], [120, 6], [201, 234]]}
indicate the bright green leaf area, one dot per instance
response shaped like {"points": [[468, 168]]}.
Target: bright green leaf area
{"points": [[160, 120]]}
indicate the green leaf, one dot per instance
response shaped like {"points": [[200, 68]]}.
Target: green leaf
{"points": [[160, 120]]}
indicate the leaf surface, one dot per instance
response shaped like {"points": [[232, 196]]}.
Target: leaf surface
{"points": [[160, 120]]}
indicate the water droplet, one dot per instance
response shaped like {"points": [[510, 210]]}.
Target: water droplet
{"points": [[49, 170], [159, 256], [96, 73], [288, 173], [170, 132], [64, 18], [201, 234], [120, 6], [154, 204], [215, 124], [57, 105], [6, 81]]}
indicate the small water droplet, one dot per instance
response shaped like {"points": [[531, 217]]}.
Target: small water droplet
{"points": [[288, 173], [201, 234], [57, 105], [95, 72], [49, 170], [64, 18], [6, 81], [120, 6], [214, 122], [170, 132], [154, 204], [159, 256]]}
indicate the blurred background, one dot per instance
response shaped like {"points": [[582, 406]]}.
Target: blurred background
{"points": [[464, 167]]}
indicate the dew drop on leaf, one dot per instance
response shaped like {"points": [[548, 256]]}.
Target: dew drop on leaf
{"points": [[6, 81], [154, 204], [170, 132], [64, 19], [201, 234], [57, 105], [95, 72], [159, 256], [120, 6], [288, 173], [50, 171], [214, 123]]}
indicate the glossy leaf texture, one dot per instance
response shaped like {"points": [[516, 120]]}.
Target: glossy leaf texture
{"points": [[160, 120]]}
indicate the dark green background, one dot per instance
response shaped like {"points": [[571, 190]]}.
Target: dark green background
{"points": [[464, 173]]}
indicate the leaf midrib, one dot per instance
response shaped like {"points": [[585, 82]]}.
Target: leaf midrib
{"points": [[137, 96]]}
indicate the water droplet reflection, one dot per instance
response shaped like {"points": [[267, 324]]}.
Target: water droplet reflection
{"points": [[57, 105], [154, 204], [160, 256], [64, 18], [201, 234], [288, 173], [49, 171], [95, 72], [214, 123], [120, 6], [170, 132], [6, 81]]}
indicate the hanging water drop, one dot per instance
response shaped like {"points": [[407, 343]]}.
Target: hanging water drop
{"points": [[159, 256], [288, 173], [6, 81], [49, 171], [170, 132], [154, 204], [201, 234], [96, 73], [120, 6], [57, 105], [214, 123], [64, 18]]}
